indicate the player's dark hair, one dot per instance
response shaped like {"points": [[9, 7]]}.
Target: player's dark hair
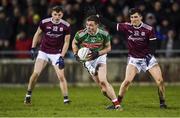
{"points": [[57, 9], [135, 10], [93, 18]]}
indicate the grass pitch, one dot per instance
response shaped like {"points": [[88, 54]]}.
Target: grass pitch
{"points": [[140, 101]]}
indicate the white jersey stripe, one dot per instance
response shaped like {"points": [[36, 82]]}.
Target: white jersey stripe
{"points": [[153, 39]]}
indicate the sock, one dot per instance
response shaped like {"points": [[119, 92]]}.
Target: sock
{"points": [[162, 101], [28, 94], [66, 98], [105, 94], [116, 103], [120, 98]]}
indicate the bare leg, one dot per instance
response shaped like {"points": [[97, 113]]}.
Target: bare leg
{"points": [[157, 75], [104, 84], [38, 67], [131, 71], [62, 83]]}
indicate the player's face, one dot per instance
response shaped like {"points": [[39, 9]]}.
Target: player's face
{"points": [[56, 16], [91, 27], [136, 19]]}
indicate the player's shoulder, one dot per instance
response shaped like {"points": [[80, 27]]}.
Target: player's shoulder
{"points": [[65, 23], [146, 26], [82, 32], [46, 20], [103, 32], [127, 23]]}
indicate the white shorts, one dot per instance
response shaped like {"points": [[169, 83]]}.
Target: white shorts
{"points": [[93, 63], [48, 57], [141, 63]]}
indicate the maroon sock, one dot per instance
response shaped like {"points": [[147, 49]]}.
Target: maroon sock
{"points": [[120, 98], [116, 102]]}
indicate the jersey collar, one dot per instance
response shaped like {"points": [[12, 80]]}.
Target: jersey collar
{"points": [[55, 22], [139, 26], [95, 33]]}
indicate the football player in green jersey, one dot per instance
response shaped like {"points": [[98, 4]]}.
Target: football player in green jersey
{"points": [[98, 41]]}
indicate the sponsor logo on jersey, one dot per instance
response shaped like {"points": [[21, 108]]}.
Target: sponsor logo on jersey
{"points": [[61, 29], [52, 35], [142, 33], [135, 38]]}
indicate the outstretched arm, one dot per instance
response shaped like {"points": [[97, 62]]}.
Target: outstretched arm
{"points": [[93, 11], [107, 22]]}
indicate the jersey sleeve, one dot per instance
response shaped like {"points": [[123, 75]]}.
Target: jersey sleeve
{"points": [[68, 30], [42, 26], [76, 37], [121, 27], [108, 38], [152, 35]]}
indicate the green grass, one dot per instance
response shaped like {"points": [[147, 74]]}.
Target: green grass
{"points": [[140, 101]]}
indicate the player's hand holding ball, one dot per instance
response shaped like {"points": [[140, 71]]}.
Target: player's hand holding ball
{"points": [[60, 62], [82, 54], [93, 55], [85, 54]]}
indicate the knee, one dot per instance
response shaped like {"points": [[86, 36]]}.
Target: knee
{"points": [[103, 84], [61, 78], [160, 81], [35, 74]]}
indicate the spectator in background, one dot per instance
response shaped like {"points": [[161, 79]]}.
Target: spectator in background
{"points": [[22, 24], [158, 10], [150, 19], [22, 44], [175, 16], [5, 31], [170, 43], [33, 26], [117, 44], [43, 8]]}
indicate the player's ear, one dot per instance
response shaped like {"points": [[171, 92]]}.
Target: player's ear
{"points": [[62, 14], [141, 17]]}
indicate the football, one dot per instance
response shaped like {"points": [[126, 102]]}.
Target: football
{"points": [[83, 52]]}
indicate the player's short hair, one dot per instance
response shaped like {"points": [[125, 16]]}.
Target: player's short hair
{"points": [[57, 9], [135, 10], [93, 18]]}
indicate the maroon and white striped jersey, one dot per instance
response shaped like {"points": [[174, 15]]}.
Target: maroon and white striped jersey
{"points": [[53, 35], [137, 38]]}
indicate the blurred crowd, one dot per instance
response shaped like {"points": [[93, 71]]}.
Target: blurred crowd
{"points": [[19, 20]]}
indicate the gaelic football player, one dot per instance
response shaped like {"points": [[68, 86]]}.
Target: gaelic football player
{"points": [[98, 41], [54, 34], [141, 42]]}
